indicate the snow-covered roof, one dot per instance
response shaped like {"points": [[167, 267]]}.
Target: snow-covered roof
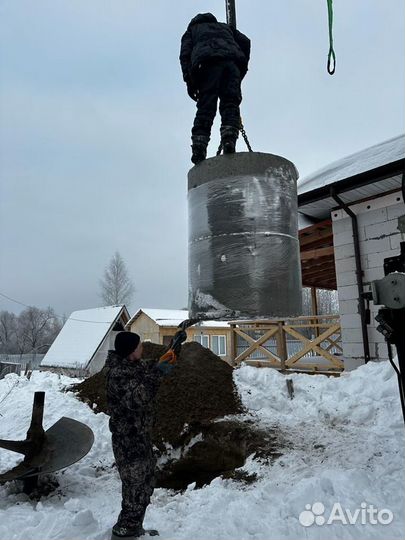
{"points": [[172, 317], [359, 162], [166, 317], [81, 336]]}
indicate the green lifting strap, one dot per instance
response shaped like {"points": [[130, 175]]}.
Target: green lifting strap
{"points": [[331, 55]]}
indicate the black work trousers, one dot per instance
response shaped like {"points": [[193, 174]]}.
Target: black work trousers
{"points": [[220, 79]]}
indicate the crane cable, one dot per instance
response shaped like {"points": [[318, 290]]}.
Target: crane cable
{"points": [[331, 55], [230, 11]]}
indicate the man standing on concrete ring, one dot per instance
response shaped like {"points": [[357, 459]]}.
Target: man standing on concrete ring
{"points": [[214, 59], [132, 384]]}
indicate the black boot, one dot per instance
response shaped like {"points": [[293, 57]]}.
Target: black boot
{"points": [[229, 135], [199, 148], [126, 533]]}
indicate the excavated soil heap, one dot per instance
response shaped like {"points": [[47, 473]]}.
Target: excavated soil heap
{"points": [[199, 389], [191, 402], [92, 391]]}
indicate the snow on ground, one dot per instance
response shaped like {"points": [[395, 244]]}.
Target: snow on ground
{"points": [[344, 444]]}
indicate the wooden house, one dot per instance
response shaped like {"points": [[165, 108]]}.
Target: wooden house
{"points": [[160, 325]]}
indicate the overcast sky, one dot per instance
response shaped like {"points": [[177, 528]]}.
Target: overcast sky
{"points": [[95, 127]]}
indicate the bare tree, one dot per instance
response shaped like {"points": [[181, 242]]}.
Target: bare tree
{"points": [[8, 332], [33, 330], [116, 286], [36, 329]]}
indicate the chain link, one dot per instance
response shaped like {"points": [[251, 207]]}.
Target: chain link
{"points": [[245, 138], [244, 135]]}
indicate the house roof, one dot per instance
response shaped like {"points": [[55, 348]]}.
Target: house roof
{"points": [[173, 317], [369, 173], [81, 336]]}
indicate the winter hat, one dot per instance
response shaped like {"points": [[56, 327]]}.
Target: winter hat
{"points": [[126, 343]]}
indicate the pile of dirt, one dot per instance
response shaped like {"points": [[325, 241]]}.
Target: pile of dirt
{"points": [[190, 407], [200, 388], [92, 391]]}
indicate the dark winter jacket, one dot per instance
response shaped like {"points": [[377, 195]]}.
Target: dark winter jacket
{"points": [[206, 40], [131, 389]]}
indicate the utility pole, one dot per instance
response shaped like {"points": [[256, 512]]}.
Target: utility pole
{"points": [[230, 12]]}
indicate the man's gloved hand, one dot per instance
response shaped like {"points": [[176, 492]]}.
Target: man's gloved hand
{"points": [[165, 367], [192, 90]]}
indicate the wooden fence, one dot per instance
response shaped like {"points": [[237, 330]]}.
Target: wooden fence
{"points": [[34, 359], [302, 343]]}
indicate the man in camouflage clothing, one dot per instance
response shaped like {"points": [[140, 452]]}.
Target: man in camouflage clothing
{"points": [[132, 384]]}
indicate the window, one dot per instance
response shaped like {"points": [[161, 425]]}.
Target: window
{"points": [[202, 339], [218, 345]]}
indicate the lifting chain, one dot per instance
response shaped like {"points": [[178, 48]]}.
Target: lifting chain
{"points": [[244, 135], [245, 138]]}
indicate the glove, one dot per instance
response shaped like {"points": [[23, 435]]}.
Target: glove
{"points": [[165, 367], [192, 90]]}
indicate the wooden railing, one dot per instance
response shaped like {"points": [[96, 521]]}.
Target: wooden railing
{"points": [[300, 343]]}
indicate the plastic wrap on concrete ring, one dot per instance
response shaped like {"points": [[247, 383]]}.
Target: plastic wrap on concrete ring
{"points": [[244, 258]]}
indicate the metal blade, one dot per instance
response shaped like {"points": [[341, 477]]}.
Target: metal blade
{"points": [[15, 446], [66, 442], [21, 470]]}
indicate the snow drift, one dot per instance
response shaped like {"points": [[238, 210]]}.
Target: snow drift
{"points": [[343, 443]]}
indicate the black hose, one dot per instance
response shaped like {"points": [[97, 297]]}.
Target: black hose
{"points": [[401, 388]]}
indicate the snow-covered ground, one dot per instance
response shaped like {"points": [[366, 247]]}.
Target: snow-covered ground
{"points": [[345, 446]]}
